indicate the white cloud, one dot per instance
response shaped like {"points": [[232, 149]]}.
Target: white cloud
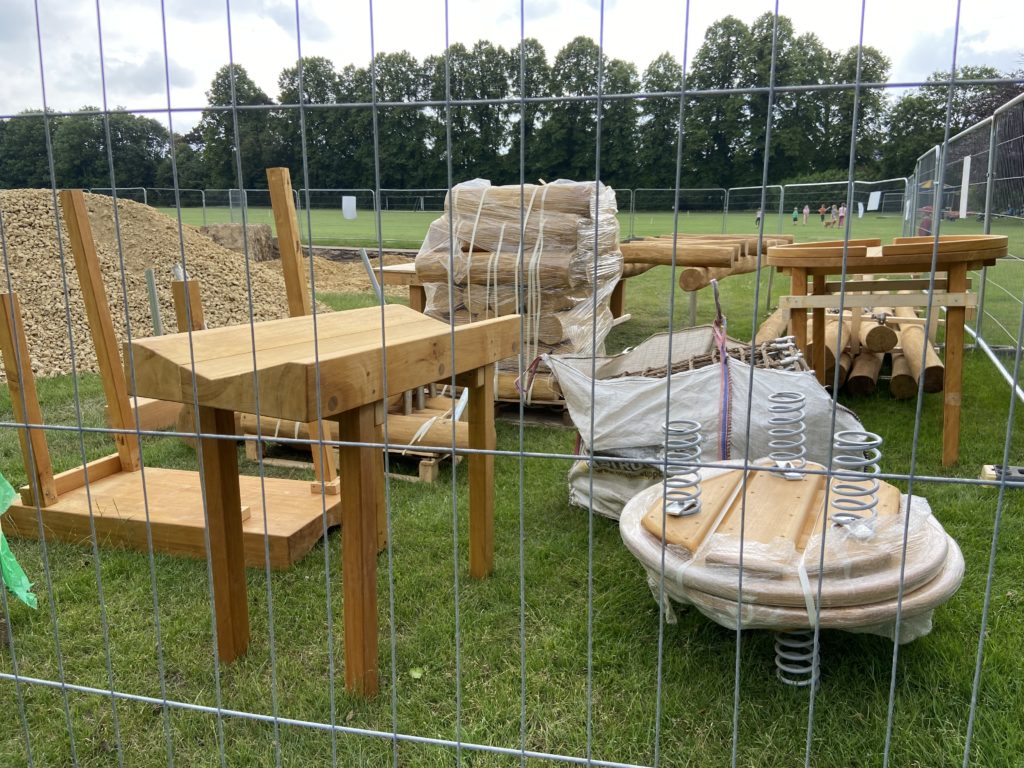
{"points": [[917, 36]]}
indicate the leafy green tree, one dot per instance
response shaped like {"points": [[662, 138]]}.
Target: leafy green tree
{"points": [[23, 160], [530, 77], [916, 122], [325, 154], [659, 124], [619, 129], [137, 146], [255, 146]]}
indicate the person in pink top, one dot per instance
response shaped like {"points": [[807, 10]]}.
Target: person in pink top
{"points": [[807, 212], [842, 214]]}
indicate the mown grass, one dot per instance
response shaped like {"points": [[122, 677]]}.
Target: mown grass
{"points": [[482, 669]]}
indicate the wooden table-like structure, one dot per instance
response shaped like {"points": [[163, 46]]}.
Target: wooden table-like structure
{"points": [[907, 255], [338, 372]]}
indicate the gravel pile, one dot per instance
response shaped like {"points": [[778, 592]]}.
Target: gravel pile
{"points": [[31, 261]]}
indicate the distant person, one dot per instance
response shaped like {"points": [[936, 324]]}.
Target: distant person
{"points": [[842, 215], [796, 216], [924, 227], [757, 218], [821, 212], [807, 212]]}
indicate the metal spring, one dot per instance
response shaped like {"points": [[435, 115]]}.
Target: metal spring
{"points": [[786, 428], [854, 492], [795, 663], [784, 351], [682, 478]]}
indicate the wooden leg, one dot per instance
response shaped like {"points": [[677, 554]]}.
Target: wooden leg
{"points": [[953, 384], [818, 331], [359, 548], [417, 297], [481, 472], [617, 302], [224, 519], [378, 459], [798, 317]]}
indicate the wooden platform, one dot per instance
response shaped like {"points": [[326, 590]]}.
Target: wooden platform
{"points": [[176, 515]]}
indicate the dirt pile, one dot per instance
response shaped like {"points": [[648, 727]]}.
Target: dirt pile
{"points": [[149, 239]]}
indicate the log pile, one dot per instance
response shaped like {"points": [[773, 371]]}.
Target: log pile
{"points": [[897, 337], [699, 258], [549, 252]]}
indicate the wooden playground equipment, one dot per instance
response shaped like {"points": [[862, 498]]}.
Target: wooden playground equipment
{"points": [[784, 524], [906, 258]]}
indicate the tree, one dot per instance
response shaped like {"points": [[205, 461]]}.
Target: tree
{"points": [[232, 86], [80, 149], [619, 131], [320, 84], [23, 160], [659, 124], [917, 120], [530, 78]]}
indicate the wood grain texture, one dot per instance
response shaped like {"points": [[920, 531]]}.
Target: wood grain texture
{"points": [[359, 533], [224, 522], [21, 383], [916, 348], [481, 474], [101, 326], [279, 181], [188, 305]]}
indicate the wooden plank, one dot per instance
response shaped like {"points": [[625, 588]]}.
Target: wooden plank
{"points": [[417, 297], [279, 181], [21, 383], [101, 327], [224, 522], [689, 531], [400, 274], [188, 305], [880, 287], [831, 301], [359, 549], [954, 371], [481, 473]]}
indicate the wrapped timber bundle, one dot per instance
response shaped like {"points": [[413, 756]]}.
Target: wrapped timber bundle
{"points": [[629, 400], [549, 252]]}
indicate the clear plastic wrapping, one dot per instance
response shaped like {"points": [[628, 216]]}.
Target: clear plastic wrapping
{"points": [[555, 277], [860, 584]]}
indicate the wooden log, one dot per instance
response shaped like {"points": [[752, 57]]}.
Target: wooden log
{"points": [[695, 253], [773, 327], [902, 384], [875, 336], [863, 378], [577, 199], [914, 342], [402, 429], [21, 383], [499, 300], [845, 363], [544, 388], [832, 342]]}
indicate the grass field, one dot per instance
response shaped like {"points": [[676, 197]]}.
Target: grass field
{"points": [[934, 673]]}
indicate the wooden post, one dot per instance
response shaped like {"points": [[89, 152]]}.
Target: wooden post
{"points": [[359, 506], [280, 182], [953, 385], [417, 297], [25, 402], [818, 325], [798, 317], [188, 303], [101, 327], [617, 301], [224, 522], [481, 470]]}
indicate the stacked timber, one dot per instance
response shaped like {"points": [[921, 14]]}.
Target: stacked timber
{"points": [[700, 258], [549, 252], [883, 334]]}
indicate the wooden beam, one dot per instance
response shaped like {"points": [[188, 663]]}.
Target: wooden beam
{"points": [[279, 181], [481, 473], [101, 327], [224, 521], [953, 385], [35, 454], [188, 303], [359, 501], [831, 301]]}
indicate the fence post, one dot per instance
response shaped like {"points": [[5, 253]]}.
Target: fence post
{"points": [[725, 212], [632, 213], [986, 226], [782, 208]]}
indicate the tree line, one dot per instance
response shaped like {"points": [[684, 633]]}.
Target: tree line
{"points": [[346, 143]]}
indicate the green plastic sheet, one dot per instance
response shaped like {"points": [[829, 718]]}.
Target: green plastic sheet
{"points": [[11, 572]]}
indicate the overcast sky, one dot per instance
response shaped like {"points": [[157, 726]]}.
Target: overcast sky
{"points": [[917, 35]]}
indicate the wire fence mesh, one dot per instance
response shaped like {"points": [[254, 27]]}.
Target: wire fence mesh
{"points": [[142, 657]]}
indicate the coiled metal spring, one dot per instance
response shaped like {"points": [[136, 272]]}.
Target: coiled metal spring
{"points": [[682, 478], [795, 662], [786, 428], [854, 492]]}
